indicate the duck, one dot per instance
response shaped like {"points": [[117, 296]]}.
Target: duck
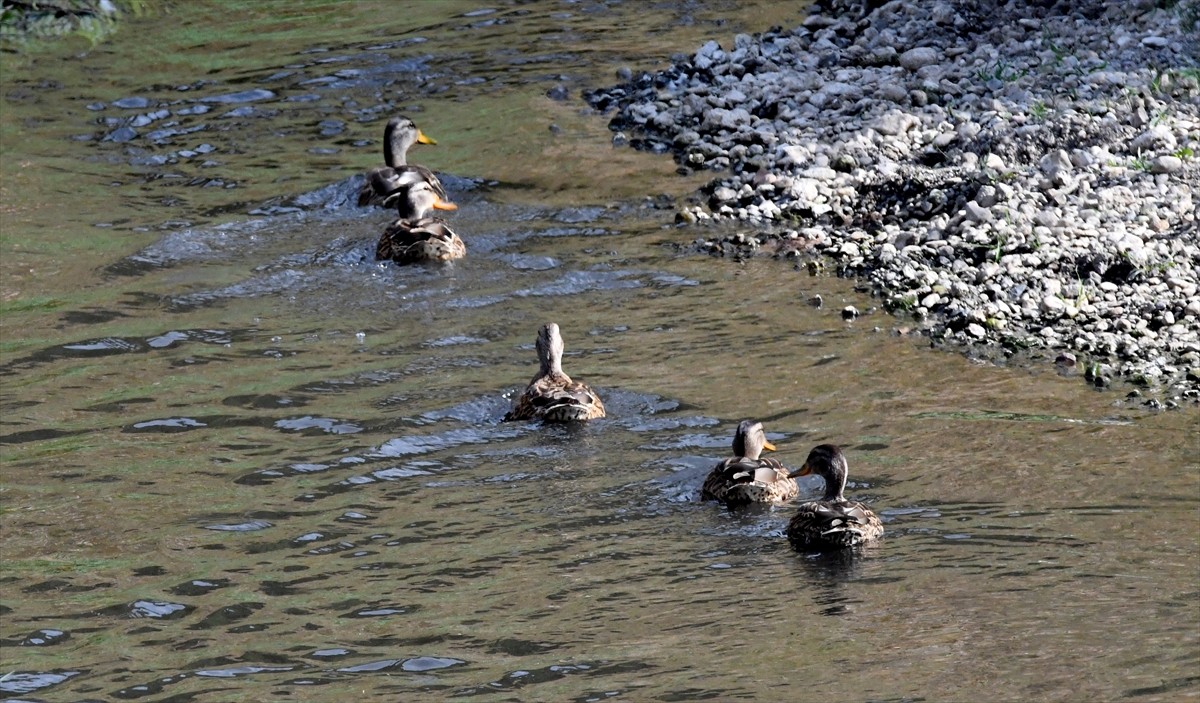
{"points": [[416, 236], [552, 396], [381, 181], [744, 478], [831, 523]]}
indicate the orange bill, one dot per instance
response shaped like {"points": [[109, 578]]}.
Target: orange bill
{"points": [[422, 139], [767, 445], [802, 471], [440, 204]]}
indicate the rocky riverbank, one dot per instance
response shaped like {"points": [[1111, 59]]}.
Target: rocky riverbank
{"points": [[1019, 177]]}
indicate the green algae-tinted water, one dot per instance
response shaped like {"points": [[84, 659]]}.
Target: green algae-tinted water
{"points": [[242, 461]]}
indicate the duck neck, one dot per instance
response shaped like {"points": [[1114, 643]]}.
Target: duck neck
{"points": [[552, 364], [835, 484], [395, 151], [393, 155]]}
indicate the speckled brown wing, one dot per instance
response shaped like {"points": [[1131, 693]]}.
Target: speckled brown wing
{"points": [[427, 239], [733, 482], [822, 525], [555, 400], [383, 181]]}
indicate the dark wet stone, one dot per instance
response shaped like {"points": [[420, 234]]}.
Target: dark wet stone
{"points": [[149, 571], [227, 615], [521, 648], [159, 610], [44, 638], [131, 103], [121, 134], [37, 435], [145, 119], [95, 107], [244, 96], [849, 312], [331, 128], [558, 92], [199, 587]]}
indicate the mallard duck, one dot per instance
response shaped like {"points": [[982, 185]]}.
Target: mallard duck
{"points": [[744, 478], [381, 181], [416, 236], [552, 395], [832, 522]]}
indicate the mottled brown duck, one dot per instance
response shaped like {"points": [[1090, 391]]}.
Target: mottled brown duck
{"points": [[399, 136], [552, 395], [746, 477], [417, 236], [832, 522]]}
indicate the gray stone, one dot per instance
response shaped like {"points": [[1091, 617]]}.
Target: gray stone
{"points": [[724, 194], [895, 122], [1158, 136], [1166, 164], [1055, 162], [977, 213], [892, 92], [1053, 305], [914, 59]]}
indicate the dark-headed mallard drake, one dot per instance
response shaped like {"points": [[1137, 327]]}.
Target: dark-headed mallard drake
{"points": [[745, 478], [416, 236], [398, 136], [552, 395], [832, 522]]}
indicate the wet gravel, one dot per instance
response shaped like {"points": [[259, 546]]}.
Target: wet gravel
{"points": [[1019, 179]]}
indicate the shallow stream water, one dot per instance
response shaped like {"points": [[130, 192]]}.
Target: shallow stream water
{"points": [[243, 461]]}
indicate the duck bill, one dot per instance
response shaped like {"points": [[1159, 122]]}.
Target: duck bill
{"points": [[422, 138], [768, 446], [802, 471], [440, 204]]}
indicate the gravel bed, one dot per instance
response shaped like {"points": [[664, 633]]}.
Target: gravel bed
{"points": [[1021, 178]]}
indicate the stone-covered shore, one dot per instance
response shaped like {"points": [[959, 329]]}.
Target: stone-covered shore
{"points": [[1019, 178]]}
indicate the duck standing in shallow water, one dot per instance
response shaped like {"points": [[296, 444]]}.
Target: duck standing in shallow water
{"points": [[398, 136], [832, 522], [745, 478], [416, 236], [552, 395]]}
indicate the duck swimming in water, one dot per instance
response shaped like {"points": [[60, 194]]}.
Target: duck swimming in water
{"points": [[831, 522], [399, 135], [746, 478], [552, 395], [417, 236]]}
